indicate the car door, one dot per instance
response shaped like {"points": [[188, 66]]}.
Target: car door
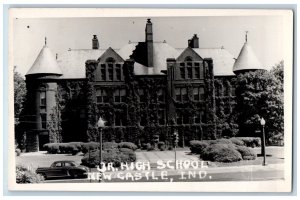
{"points": [[57, 169], [67, 167]]}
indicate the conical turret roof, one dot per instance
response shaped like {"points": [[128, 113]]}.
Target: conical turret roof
{"points": [[246, 60], [45, 63]]}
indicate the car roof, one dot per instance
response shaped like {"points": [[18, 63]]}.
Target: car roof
{"points": [[64, 161]]}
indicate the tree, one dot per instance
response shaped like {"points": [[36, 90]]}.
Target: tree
{"points": [[19, 94], [260, 94]]}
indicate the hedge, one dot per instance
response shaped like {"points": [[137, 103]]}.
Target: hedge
{"points": [[237, 141], [225, 150], [76, 147], [198, 146], [250, 141], [247, 153], [161, 146], [115, 156], [52, 148], [110, 145], [221, 153], [85, 147], [128, 145]]}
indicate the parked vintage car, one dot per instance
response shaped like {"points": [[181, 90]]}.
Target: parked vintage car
{"points": [[63, 169]]}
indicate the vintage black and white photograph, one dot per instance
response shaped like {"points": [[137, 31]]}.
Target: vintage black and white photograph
{"points": [[151, 101]]}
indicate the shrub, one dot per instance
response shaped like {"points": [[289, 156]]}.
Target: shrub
{"points": [[221, 153], [23, 175], [247, 154], [220, 141], [237, 141], [72, 149], [145, 146], [63, 147], [77, 145], [251, 141], [52, 148], [129, 152], [110, 145], [18, 152], [85, 147], [197, 146], [170, 148], [149, 147], [161, 146], [115, 156], [128, 145]]}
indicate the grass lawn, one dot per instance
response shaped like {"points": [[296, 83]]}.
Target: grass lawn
{"points": [[42, 159]]}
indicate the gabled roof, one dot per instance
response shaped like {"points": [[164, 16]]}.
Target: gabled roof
{"points": [[246, 60], [45, 63], [222, 60], [72, 62], [162, 51]]}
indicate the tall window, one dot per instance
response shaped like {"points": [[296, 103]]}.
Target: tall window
{"points": [[160, 95], [177, 93], [179, 119], [161, 117], [184, 94], [198, 94], [143, 121], [181, 94], [110, 72], [120, 95], [182, 119], [103, 72], [120, 119], [182, 72], [44, 120], [118, 72], [201, 92], [197, 72], [142, 95], [190, 72], [233, 91], [199, 117], [43, 99], [101, 96]]}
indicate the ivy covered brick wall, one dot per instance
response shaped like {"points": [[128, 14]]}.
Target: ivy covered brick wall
{"points": [[70, 112], [225, 106]]}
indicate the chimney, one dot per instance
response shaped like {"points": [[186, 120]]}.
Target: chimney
{"points": [[149, 42], [194, 42], [95, 42]]}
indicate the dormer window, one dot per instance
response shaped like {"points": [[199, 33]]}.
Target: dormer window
{"points": [[110, 60], [188, 59]]}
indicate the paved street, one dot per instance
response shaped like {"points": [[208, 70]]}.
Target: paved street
{"points": [[241, 173]]}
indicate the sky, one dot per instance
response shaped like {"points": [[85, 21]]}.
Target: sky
{"points": [[265, 35]]}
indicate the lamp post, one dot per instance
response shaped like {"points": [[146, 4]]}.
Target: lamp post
{"points": [[263, 146], [100, 124], [175, 139]]}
